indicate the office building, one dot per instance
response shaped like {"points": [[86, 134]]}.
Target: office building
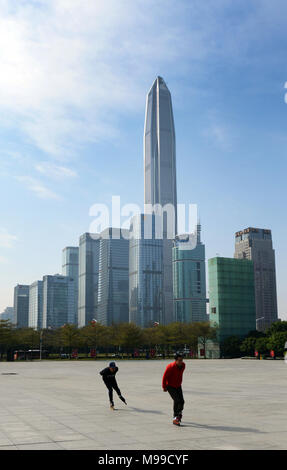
{"points": [[256, 244], [231, 296], [36, 305], [58, 301], [189, 281], [89, 255], [145, 271], [113, 285], [70, 268], [21, 305], [160, 176]]}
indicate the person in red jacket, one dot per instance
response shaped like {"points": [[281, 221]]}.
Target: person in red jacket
{"points": [[171, 383]]}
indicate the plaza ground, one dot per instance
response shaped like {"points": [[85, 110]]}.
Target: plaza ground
{"points": [[229, 404]]}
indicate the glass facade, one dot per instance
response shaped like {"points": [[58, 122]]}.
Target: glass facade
{"points": [[160, 175], [189, 281], [256, 244], [232, 296], [89, 254], [58, 301], [21, 305], [159, 147], [36, 305], [70, 268], [113, 292], [145, 272]]}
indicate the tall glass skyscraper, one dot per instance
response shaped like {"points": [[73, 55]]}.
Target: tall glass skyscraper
{"points": [[89, 255], [160, 175], [256, 244], [145, 271], [70, 268], [189, 281], [113, 290], [36, 305], [58, 301], [21, 305]]}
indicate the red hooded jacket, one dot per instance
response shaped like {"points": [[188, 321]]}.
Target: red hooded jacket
{"points": [[173, 375]]}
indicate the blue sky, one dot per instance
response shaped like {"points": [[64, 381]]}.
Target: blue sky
{"points": [[73, 81]]}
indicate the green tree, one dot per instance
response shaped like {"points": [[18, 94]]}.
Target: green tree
{"points": [[153, 337], [248, 346], [277, 342], [6, 336], [231, 347], [51, 339], [70, 337], [191, 335], [261, 346], [93, 336], [131, 336], [277, 327], [26, 338], [176, 334]]}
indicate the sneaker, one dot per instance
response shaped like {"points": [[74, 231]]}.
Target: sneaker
{"points": [[112, 406], [176, 421]]}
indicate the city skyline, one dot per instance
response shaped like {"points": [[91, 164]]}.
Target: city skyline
{"points": [[231, 141]]}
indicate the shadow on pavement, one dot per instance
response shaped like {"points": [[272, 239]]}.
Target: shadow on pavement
{"points": [[221, 428], [139, 410]]}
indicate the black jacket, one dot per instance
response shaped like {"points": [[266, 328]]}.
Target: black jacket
{"points": [[108, 376]]}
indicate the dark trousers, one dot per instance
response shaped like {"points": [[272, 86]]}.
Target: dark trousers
{"points": [[112, 386], [178, 401]]}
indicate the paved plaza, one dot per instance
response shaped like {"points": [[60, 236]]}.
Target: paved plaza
{"points": [[229, 404]]}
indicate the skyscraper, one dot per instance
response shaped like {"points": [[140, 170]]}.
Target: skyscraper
{"points": [[189, 282], [21, 305], [160, 176], [231, 296], [70, 268], [113, 286], [256, 244], [145, 271], [58, 301], [36, 305], [89, 255]]}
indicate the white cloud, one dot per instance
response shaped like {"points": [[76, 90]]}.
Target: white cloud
{"points": [[6, 239], [71, 68], [55, 171], [37, 187]]}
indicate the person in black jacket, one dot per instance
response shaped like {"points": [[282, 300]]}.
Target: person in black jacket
{"points": [[109, 377]]}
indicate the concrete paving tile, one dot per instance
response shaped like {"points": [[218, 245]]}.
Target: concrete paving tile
{"points": [[87, 444], [41, 446], [4, 441], [12, 447], [65, 436]]}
